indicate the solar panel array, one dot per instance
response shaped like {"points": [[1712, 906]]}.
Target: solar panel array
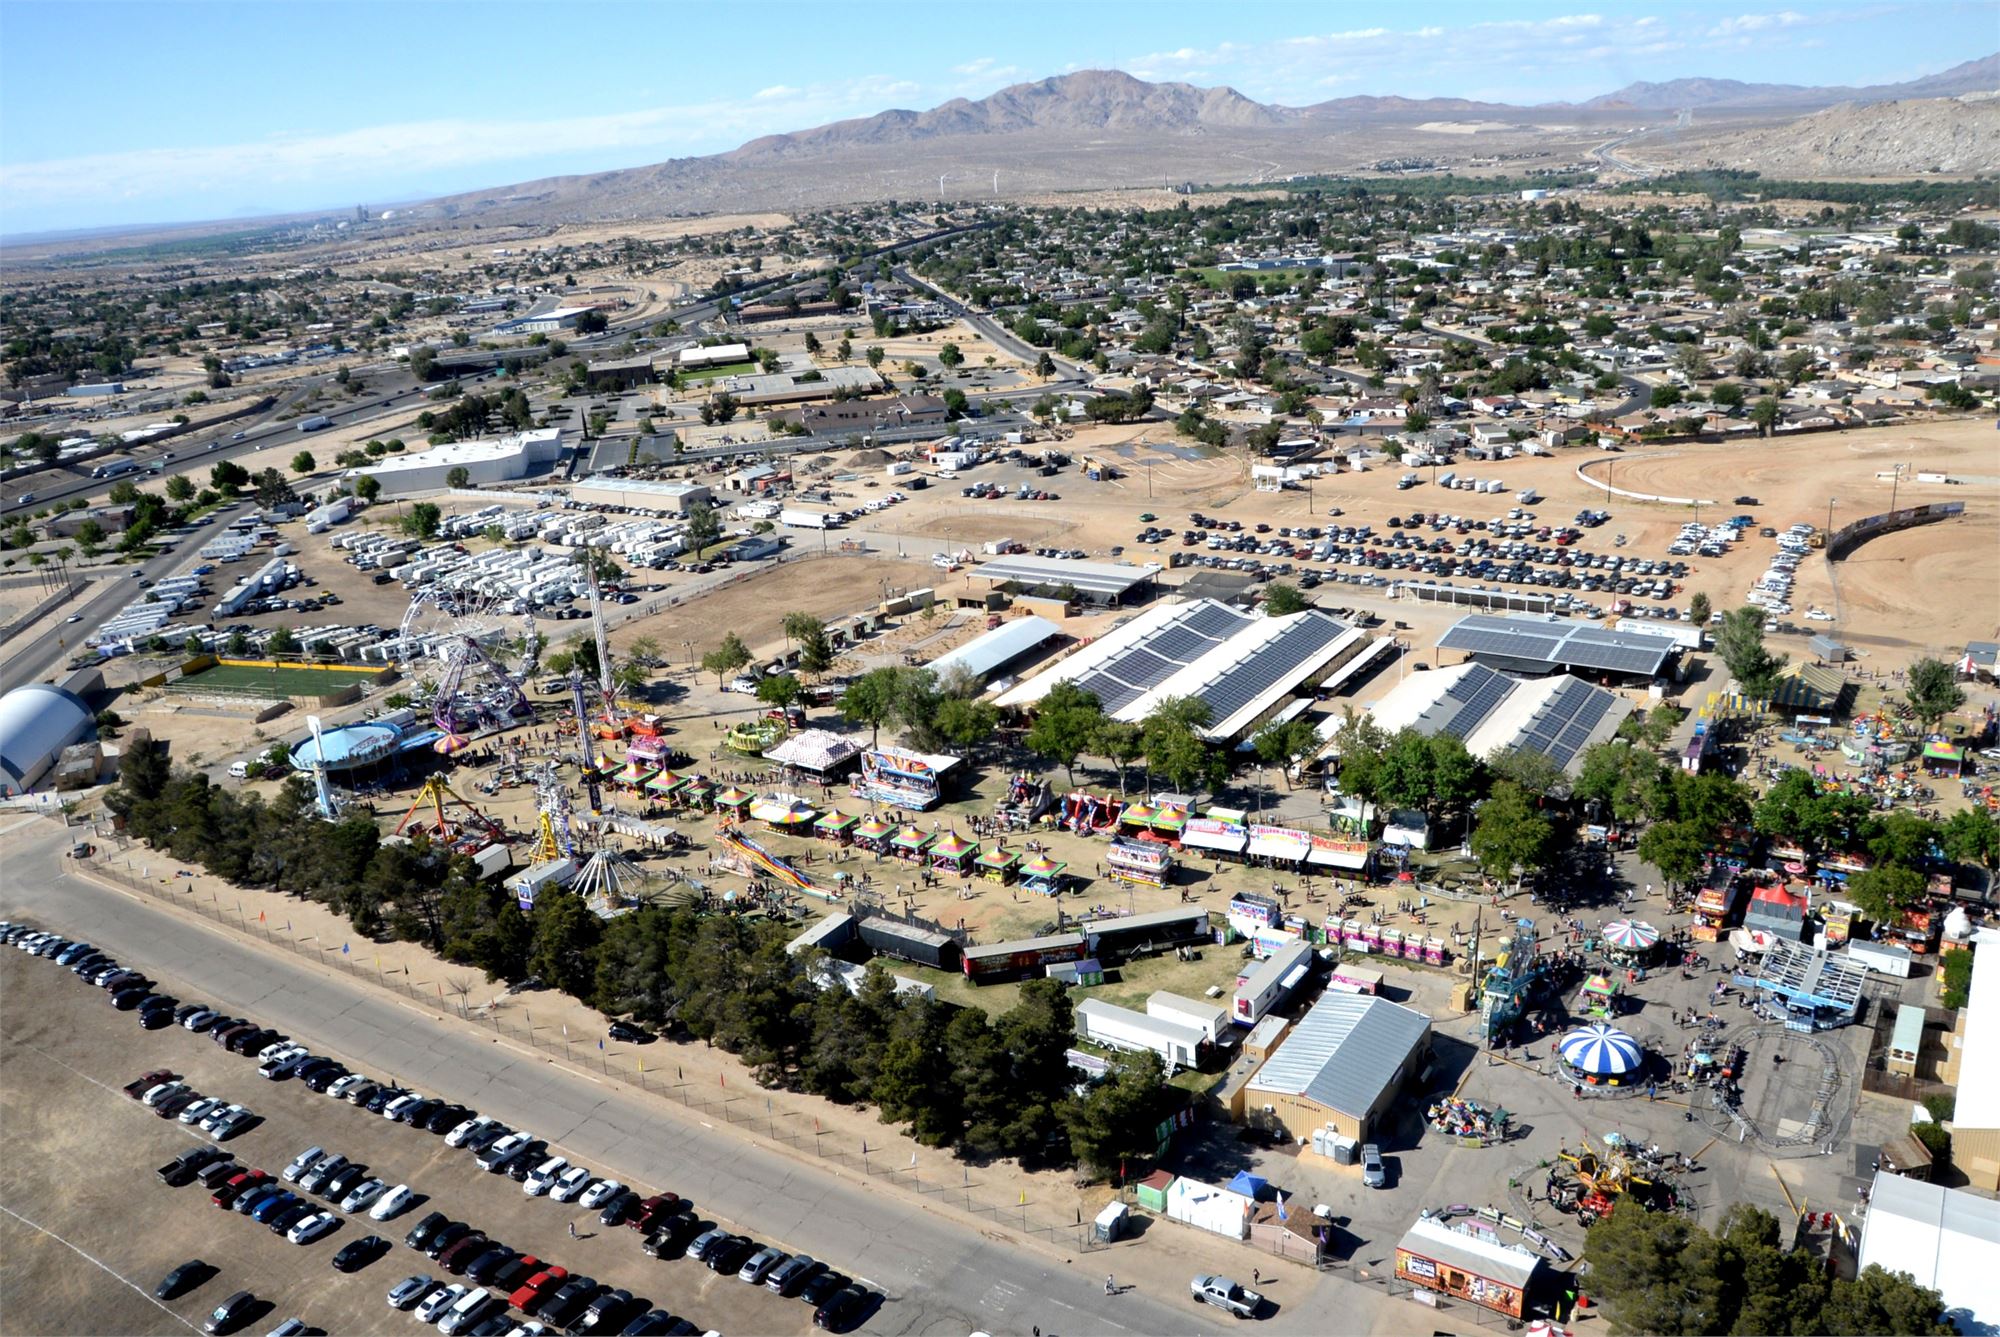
{"points": [[1558, 645], [1467, 702], [1138, 669], [1247, 679], [1565, 721]]}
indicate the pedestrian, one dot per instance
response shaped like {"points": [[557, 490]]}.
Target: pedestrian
{"points": [[1110, 1286], [1256, 1277], [572, 1230]]}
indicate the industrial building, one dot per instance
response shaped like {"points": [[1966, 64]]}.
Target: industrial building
{"points": [[1945, 1238], [1341, 1066], [1559, 717], [715, 355], [639, 494], [544, 322], [1104, 583], [993, 653], [502, 460], [1244, 666], [1539, 645], [37, 722]]}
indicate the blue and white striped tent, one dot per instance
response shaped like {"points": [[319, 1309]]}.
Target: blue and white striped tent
{"points": [[1602, 1051]]}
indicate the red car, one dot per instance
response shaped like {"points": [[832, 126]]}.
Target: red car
{"points": [[654, 1210], [538, 1288], [238, 1186]]}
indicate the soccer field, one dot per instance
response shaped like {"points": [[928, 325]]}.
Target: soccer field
{"points": [[266, 682]]}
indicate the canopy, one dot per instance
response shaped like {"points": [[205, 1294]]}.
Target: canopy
{"points": [[1631, 935], [782, 810], [1943, 752], [998, 858], [1043, 866], [696, 790], [1247, 1184], [1602, 1051], [1210, 833], [634, 773], [1279, 842], [732, 797], [1170, 818], [1599, 984], [951, 844], [913, 838], [450, 743], [872, 827], [1138, 814], [665, 782], [836, 821]]}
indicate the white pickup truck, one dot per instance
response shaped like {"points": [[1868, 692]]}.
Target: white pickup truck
{"points": [[1226, 1294]]}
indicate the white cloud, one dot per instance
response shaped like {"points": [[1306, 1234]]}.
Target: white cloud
{"points": [[774, 91], [1751, 23], [987, 68]]}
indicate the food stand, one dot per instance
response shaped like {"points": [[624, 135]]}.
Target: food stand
{"points": [[633, 775], [1717, 904], [953, 853], [1478, 1270], [836, 826], [1140, 862], [663, 783], [1215, 837], [998, 864], [871, 833], [733, 801], [912, 843], [1043, 875], [1599, 997]]}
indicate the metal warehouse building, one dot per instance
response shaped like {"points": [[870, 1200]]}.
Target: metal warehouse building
{"points": [[1342, 1065], [1538, 645], [1488, 711], [36, 723]]}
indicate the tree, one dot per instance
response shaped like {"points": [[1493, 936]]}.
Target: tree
{"points": [[1116, 1120], [1883, 1302], [180, 488], [780, 690], [563, 948], [1282, 743], [423, 360], [875, 355], [950, 356], [1664, 396], [1358, 743], [1886, 890], [1699, 609], [1971, 836], [1174, 747], [367, 487], [1281, 599], [1766, 414], [1434, 775], [460, 476], [726, 658], [423, 520], [1066, 724], [1676, 849], [966, 722], [1120, 743], [227, 476], [1796, 808], [1933, 692], [816, 650], [1510, 837], [1739, 643], [282, 642], [90, 537], [702, 527], [871, 700], [303, 462], [1534, 772], [1045, 367]]}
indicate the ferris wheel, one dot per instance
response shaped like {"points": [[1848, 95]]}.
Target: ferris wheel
{"points": [[475, 652]]}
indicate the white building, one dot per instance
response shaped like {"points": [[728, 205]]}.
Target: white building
{"points": [[715, 355], [36, 723], [642, 494], [543, 322], [1945, 1238], [485, 462]]}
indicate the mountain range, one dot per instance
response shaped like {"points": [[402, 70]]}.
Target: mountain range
{"points": [[1106, 128]]}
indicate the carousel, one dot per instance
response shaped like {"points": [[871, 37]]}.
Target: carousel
{"points": [[786, 814], [1600, 1055], [1630, 941]]}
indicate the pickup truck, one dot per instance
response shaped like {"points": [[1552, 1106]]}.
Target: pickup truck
{"points": [[1226, 1294]]}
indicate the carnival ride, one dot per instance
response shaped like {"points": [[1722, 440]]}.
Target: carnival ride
{"points": [[451, 639], [762, 861], [473, 828], [1591, 1182]]}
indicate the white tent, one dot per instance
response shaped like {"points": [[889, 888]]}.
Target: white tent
{"points": [[1209, 1207]]}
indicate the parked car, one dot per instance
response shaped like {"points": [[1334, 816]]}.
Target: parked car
{"points": [[1226, 1295], [1373, 1173], [760, 1265], [391, 1202], [842, 1309], [182, 1279], [230, 1314], [410, 1291], [357, 1254], [788, 1276], [312, 1228]]}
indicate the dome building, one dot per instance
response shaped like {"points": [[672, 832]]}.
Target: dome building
{"points": [[36, 723]]}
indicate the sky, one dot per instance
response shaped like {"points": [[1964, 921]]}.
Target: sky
{"points": [[116, 114]]}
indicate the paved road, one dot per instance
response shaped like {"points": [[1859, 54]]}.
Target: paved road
{"points": [[940, 1276]]}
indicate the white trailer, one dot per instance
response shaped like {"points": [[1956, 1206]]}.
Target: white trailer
{"points": [[1178, 1043], [1881, 957], [1270, 982], [1212, 1020], [794, 518]]}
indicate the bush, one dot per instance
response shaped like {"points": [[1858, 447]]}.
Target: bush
{"points": [[1957, 972]]}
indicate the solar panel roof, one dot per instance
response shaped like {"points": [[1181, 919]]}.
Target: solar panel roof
{"points": [[1131, 673], [1109, 578], [1555, 644], [1242, 682]]}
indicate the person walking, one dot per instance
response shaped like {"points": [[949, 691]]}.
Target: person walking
{"points": [[1110, 1286]]}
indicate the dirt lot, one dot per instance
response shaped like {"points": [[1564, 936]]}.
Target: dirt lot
{"points": [[79, 1159], [755, 608]]}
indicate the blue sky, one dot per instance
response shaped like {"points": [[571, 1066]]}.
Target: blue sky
{"points": [[127, 113]]}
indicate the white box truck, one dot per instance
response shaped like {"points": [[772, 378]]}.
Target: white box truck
{"points": [[801, 519]]}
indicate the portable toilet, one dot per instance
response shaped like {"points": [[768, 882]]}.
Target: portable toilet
{"points": [[1110, 1223]]}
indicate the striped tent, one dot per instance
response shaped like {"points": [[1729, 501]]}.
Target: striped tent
{"points": [[1601, 1051]]}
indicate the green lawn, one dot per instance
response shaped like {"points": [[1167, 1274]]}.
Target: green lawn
{"points": [[710, 373], [1124, 986], [274, 682], [1219, 279]]}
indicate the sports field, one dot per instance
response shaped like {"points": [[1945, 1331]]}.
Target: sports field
{"points": [[247, 680]]}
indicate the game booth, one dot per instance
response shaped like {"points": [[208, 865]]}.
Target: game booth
{"points": [[633, 775], [837, 827], [661, 784], [732, 802], [1600, 1055], [1944, 759], [873, 834], [1215, 837], [696, 793], [953, 853], [1477, 1269], [1598, 997], [1043, 875], [785, 814], [1340, 853], [1278, 846], [1143, 863], [912, 843], [998, 864], [899, 778]]}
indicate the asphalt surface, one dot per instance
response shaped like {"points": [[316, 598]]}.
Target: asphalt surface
{"points": [[938, 1274]]}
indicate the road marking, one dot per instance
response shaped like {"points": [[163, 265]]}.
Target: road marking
{"points": [[101, 1265]]}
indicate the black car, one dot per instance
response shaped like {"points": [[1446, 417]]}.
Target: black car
{"points": [[673, 1237], [171, 1107], [731, 1254], [445, 1119], [567, 1305], [325, 1077], [818, 1290], [422, 1233], [630, 1034], [451, 1234], [182, 1279], [841, 1310], [380, 1097], [420, 1113], [619, 1206], [360, 1253], [183, 1168], [488, 1264], [338, 1186], [649, 1324], [291, 1216], [609, 1311], [212, 1177], [231, 1313], [521, 1167], [126, 999]]}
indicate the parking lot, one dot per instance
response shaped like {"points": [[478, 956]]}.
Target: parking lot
{"points": [[84, 1204]]}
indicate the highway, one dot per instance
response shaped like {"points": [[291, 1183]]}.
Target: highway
{"points": [[939, 1274]]}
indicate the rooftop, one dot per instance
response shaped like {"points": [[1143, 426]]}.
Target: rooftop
{"points": [[540, 439], [1344, 1052], [1945, 1238], [1489, 711], [985, 653], [1979, 1060], [1110, 579], [1541, 644]]}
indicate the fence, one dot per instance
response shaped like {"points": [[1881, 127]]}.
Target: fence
{"points": [[773, 1116]]}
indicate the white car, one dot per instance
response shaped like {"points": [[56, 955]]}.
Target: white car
{"points": [[362, 1194], [747, 686], [340, 1088], [395, 1107], [392, 1202], [543, 1177], [200, 1110], [598, 1194], [433, 1307], [457, 1136], [569, 1184], [314, 1226], [306, 1160], [1818, 615], [277, 1047], [163, 1091]]}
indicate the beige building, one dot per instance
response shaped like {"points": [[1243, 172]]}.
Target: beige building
{"points": [[1342, 1066], [1972, 1063]]}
